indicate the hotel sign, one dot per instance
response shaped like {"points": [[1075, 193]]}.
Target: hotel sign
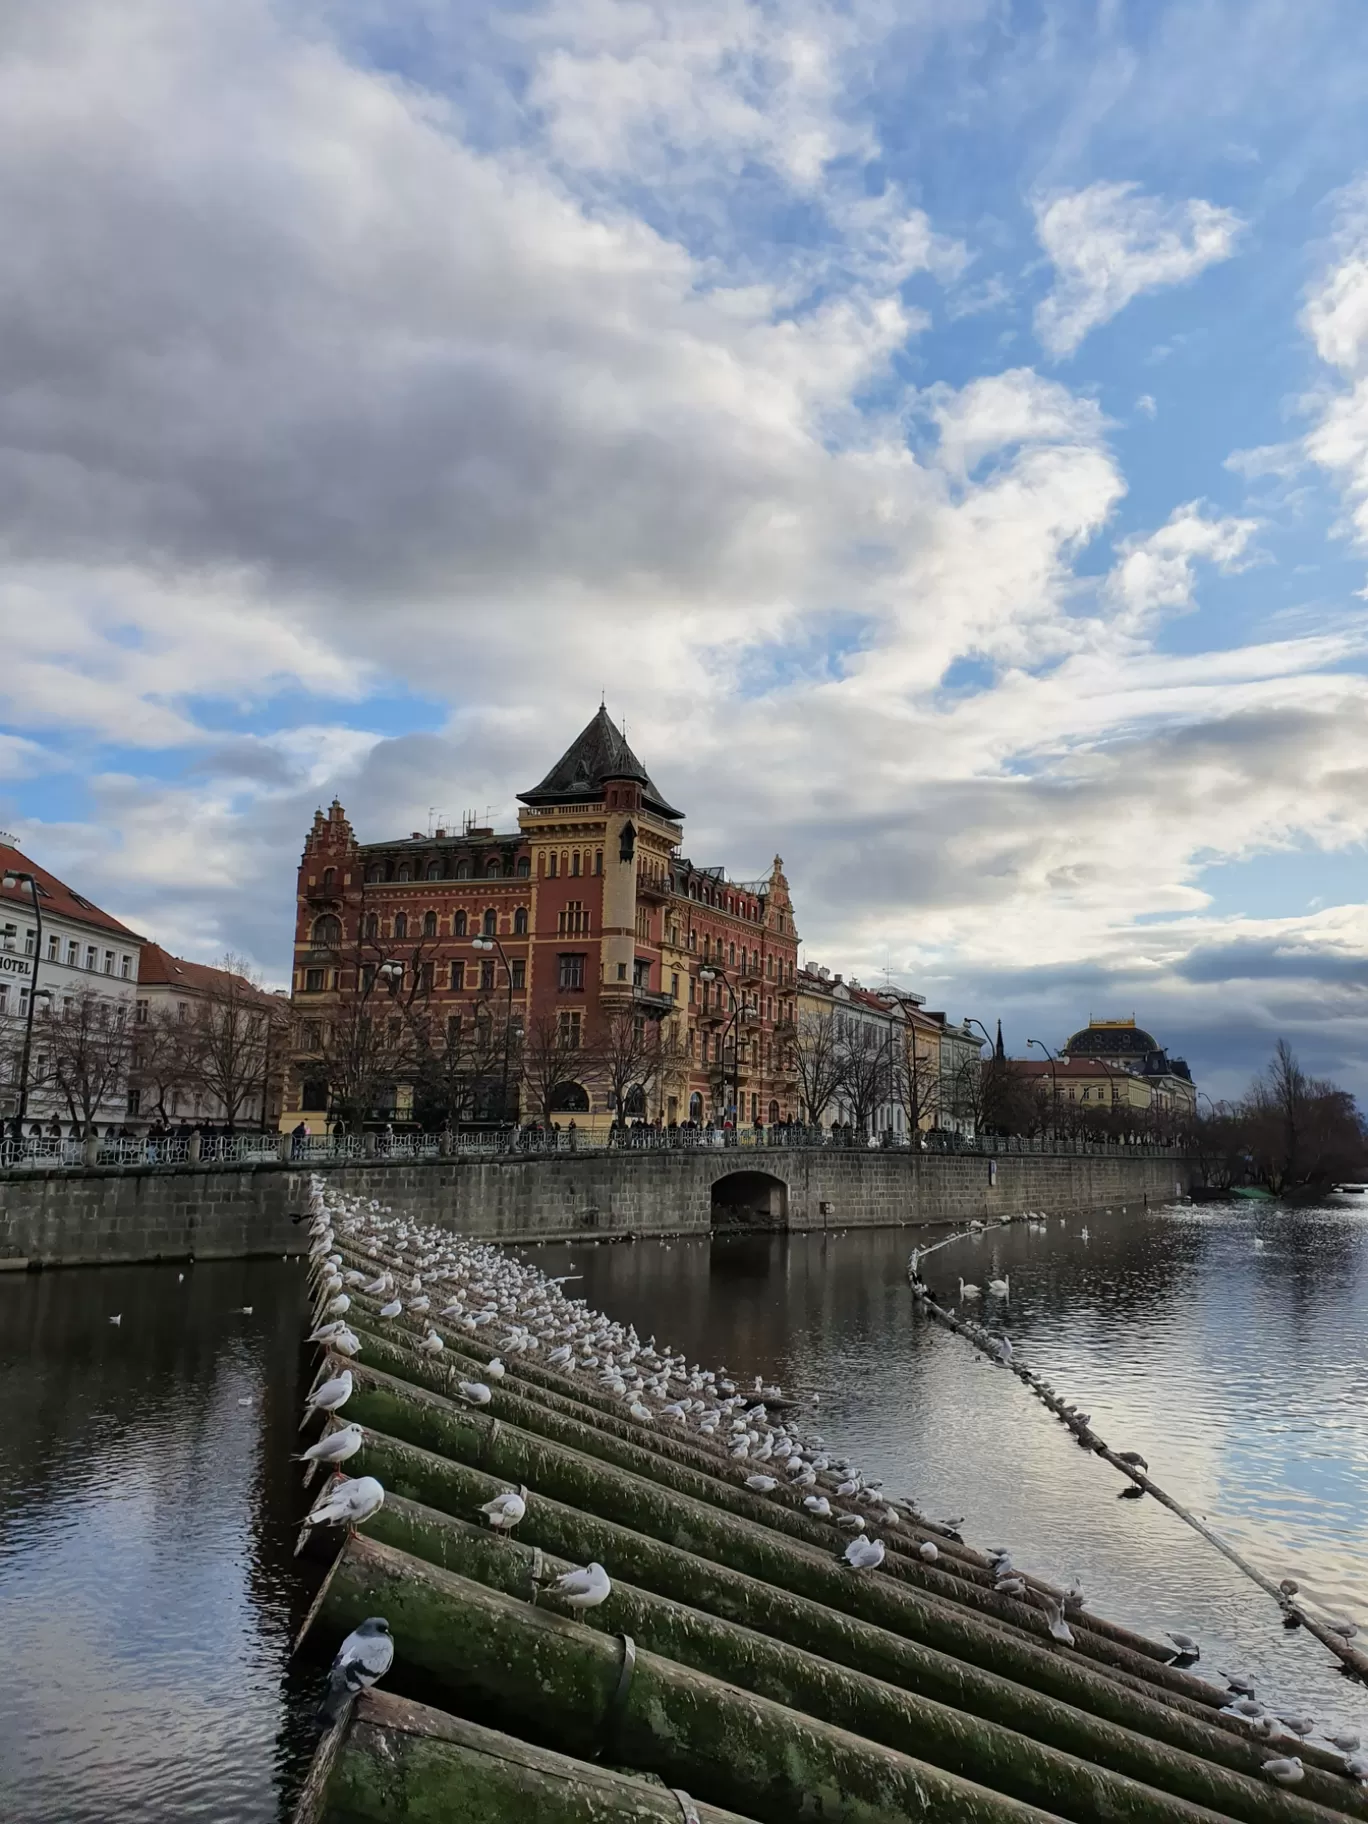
{"points": [[11, 963]]}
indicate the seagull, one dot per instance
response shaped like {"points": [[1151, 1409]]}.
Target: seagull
{"points": [[584, 1589], [928, 1551], [1188, 1649], [761, 1484], [864, 1554], [1054, 1615], [853, 1523], [1286, 1770], [364, 1656], [1346, 1740], [495, 1369], [349, 1503], [475, 1391], [432, 1344], [1299, 1725], [504, 1511], [393, 1308], [1356, 1766], [330, 1396], [817, 1505], [335, 1307], [334, 1446]]}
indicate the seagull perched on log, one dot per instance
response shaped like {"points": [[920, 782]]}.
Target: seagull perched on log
{"points": [[864, 1554], [330, 1396], [1287, 1770], [349, 1503], [506, 1510], [334, 1446], [584, 1589], [364, 1657]]}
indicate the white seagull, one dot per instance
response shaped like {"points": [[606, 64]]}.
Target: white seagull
{"points": [[334, 1446], [584, 1589], [864, 1554], [504, 1511], [349, 1502]]}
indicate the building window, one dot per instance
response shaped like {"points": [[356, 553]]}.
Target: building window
{"points": [[674, 984], [491, 922], [524, 867], [519, 977], [313, 981], [429, 924], [458, 925], [140, 1012], [463, 870], [570, 1029], [92, 957], [315, 1098], [372, 926], [573, 920], [453, 1030], [622, 972], [125, 967], [458, 977], [73, 955], [183, 1009], [327, 932], [574, 863], [134, 1097], [731, 956], [487, 974], [598, 861], [570, 973], [434, 870], [520, 922], [401, 924], [554, 859], [54, 949], [374, 875], [641, 974], [493, 868]]}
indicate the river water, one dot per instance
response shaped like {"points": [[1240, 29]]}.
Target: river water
{"points": [[148, 1505]]}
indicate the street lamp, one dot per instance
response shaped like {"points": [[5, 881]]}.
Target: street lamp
{"points": [[13, 879], [713, 972], [1054, 1081], [492, 943]]}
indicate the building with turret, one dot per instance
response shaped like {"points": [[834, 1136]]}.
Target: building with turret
{"points": [[580, 928]]}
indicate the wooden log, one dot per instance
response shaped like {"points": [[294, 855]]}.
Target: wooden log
{"points": [[586, 1693], [961, 1742], [430, 1419], [398, 1759], [1087, 1715]]}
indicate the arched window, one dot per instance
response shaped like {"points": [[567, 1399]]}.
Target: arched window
{"points": [[695, 1107], [327, 932], [635, 1103], [520, 922], [493, 868], [731, 956], [570, 1099], [463, 870], [491, 922], [429, 924], [434, 870], [598, 861], [374, 875], [372, 925], [524, 866], [774, 1114], [574, 862], [458, 925], [403, 872], [329, 876], [553, 864], [401, 924]]}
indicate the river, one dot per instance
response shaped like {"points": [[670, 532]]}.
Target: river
{"points": [[148, 1505]]}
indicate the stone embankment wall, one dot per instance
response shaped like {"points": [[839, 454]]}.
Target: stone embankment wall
{"points": [[72, 1217]]}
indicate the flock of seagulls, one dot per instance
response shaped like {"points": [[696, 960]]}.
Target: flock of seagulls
{"points": [[478, 1288]]}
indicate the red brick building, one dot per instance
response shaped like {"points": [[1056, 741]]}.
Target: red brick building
{"points": [[587, 911]]}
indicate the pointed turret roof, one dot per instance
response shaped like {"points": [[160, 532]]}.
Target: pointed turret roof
{"points": [[598, 753]]}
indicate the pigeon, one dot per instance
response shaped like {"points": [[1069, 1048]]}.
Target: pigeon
{"points": [[330, 1396], [334, 1446], [864, 1554], [364, 1656], [584, 1589], [504, 1511], [1287, 1770], [928, 1551], [475, 1391], [348, 1503]]}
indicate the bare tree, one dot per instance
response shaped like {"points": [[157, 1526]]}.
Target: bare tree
{"points": [[163, 1062], [83, 1053], [464, 1060], [819, 1061], [232, 1034], [552, 1059], [916, 1078], [629, 1059], [864, 1065]]}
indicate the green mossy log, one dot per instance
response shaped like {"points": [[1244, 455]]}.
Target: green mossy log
{"points": [[583, 1693], [1002, 1759], [396, 1759], [584, 1481]]}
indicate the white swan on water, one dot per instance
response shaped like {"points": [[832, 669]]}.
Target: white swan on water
{"points": [[1001, 1288], [968, 1291]]}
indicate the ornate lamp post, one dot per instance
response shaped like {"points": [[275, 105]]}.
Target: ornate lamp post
{"points": [[1054, 1081], [492, 943], [710, 972], [14, 877]]}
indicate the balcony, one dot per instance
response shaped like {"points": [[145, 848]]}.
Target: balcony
{"points": [[652, 1003], [653, 886]]}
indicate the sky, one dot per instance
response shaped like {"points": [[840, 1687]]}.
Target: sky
{"points": [[938, 428]]}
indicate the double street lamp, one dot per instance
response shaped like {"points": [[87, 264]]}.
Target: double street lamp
{"points": [[13, 879], [492, 943]]}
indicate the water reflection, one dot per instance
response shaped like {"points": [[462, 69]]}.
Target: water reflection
{"points": [[1238, 1370], [146, 1577]]}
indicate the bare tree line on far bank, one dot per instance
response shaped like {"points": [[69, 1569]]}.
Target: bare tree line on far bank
{"points": [[1288, 1132]]}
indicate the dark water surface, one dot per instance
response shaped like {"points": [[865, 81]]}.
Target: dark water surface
{"points": [[147, 1502]]}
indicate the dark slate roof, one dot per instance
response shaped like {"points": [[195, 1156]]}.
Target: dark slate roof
{"points": [[599, 753], [1111, 1042]]}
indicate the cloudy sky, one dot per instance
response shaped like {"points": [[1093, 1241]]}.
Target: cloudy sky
{"points": [[939, 426]]}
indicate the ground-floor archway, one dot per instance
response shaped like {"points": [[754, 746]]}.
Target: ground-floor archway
{"points": [[749, 1200]]}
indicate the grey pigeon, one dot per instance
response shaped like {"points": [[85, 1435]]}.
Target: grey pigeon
{"points": [[364, 1656]]}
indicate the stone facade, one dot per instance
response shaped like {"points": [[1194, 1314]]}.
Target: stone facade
{"points": [[110, 1215]]}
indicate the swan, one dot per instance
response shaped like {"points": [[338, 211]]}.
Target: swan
{"points": [[1001, 1288], [968, 1291]]}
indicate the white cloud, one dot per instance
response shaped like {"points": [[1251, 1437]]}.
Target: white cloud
{"points": [[1155, 573], [1146, 406], [1110, 242]]}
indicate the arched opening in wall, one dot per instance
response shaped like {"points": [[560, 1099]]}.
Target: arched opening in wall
{"points": [[570, 1099], [695, 1107], [634, 1103], [749, 1200]]}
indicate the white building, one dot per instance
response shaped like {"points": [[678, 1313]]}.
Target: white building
{"points": [[57, 946]]}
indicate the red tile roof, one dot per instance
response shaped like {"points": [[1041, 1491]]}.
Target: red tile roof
{"points": [[157, 968], [54, 897]]}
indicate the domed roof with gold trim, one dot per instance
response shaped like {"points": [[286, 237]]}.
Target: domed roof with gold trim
{"points": [[1111, 1039]]}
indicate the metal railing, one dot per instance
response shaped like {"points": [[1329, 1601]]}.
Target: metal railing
{"points": [[192, 1148]]}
